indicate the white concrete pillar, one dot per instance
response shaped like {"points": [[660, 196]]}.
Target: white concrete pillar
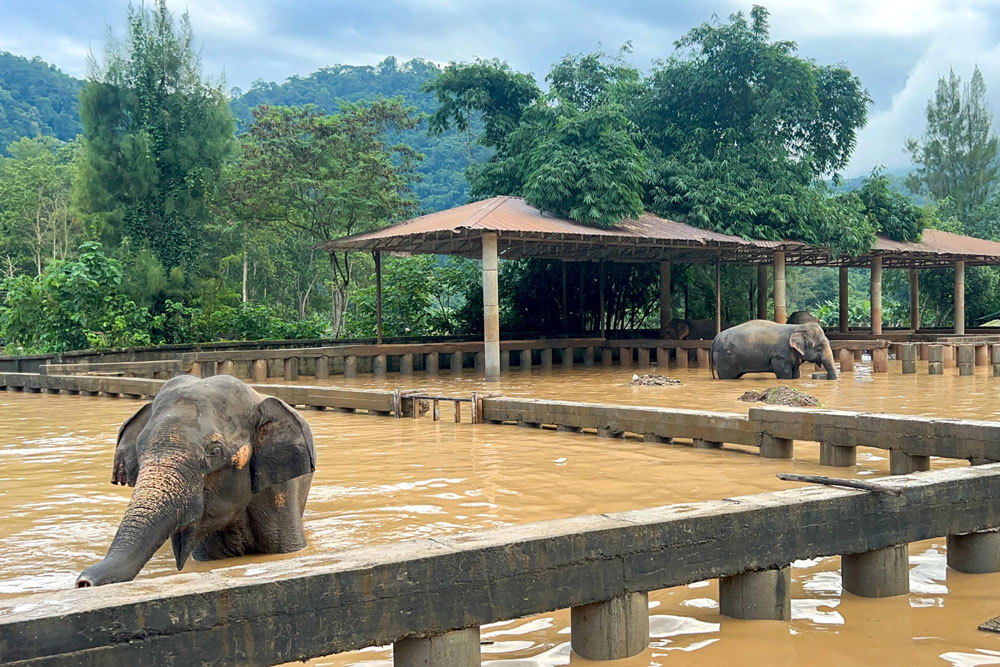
{"points": [[876, 295], [491, 307], [780, 309], [960, 298]]}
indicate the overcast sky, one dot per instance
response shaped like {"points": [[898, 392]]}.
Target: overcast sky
{"points": [[897, 47]]}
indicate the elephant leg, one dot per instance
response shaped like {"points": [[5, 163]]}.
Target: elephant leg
{"points": [[795, 373]]}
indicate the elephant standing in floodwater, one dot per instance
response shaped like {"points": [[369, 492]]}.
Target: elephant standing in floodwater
{"points": [[762, 346], [217, 468]]}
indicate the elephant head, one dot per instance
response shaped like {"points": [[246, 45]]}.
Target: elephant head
{"points": [[197, 456], [677, 329], [810, 343]]}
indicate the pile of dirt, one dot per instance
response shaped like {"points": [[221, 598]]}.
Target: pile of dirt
{"points": [[780, 396], [650, 380]]}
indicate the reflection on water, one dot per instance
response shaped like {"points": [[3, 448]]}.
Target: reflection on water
{"points": [[381, 480]]}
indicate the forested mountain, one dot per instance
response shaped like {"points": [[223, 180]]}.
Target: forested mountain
{"points": [[36, 99], [442, 183]]}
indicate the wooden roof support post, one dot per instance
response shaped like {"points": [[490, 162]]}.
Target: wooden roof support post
{"points": [[960, 298], [844, 305], [378, 297], [914, 299], [665, 301], [491, 308], [718, 297], [601, 326], [762, 291], [780, 310], [876, 295]]}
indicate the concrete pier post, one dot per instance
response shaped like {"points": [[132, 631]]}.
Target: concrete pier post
{"points": [[379, 365], [776, 448], [682, 357], [525, 360], [835, 455], [844, 319], [923, 353], [880, 573], [935, 359], [663, 358], [227, 367], [876, 297], [950, 355], [901, 463], [431, 362], [702, 357], [406, 364], [567, 357], [491, 307], [665, 300], [322, 367], [858, 355], [625, 357], [456, 362], [974, 553], [606, 357], [780, 310], [966, 360], [546, 354], [195, 369], [504, 361], [909, 357], [880, 360], [643, 353], [846, 360], [292, 368], [479, 360], [350, 366], [761, 291], [765, 595], [260, 370], [959, 298], [701, 443], [914, 299], [588, 356], [458, 648], [982, 355], [611, 630], [995, 359]]}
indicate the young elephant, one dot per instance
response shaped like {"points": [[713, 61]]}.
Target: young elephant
{"points": [[762, 346], [801, 317], [219, 469]]}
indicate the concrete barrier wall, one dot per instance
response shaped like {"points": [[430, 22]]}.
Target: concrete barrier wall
{"points": [[299, 608]]}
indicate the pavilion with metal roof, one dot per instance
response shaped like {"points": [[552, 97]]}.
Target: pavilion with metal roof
{"points": [[509, 228]]}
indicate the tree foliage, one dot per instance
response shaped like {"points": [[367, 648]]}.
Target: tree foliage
{"points": [[36, 99]]}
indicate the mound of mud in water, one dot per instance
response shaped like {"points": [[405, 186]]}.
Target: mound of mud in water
{"points": [[780, 396], [650, 380]]}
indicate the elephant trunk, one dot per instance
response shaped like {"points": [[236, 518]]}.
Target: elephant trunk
{"points": [[831, 370], [162, 505]]}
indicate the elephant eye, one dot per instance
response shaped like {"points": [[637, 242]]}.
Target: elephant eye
{"points": [[215, 452]]}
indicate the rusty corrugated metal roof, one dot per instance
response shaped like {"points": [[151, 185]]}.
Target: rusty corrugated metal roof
{"points": [[936, 241]]}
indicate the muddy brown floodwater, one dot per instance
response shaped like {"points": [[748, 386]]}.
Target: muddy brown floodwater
{"points": [[379, 480]]}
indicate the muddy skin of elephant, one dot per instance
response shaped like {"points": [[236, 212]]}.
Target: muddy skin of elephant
{"points": [[217, 468], [760, 346], [801, 317]]}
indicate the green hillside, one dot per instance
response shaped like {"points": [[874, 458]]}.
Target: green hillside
{"points": [[36, 99]]}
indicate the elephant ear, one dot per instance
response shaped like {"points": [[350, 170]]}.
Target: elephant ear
{"points": [[798, 341], [126, 466], [283, 449]]}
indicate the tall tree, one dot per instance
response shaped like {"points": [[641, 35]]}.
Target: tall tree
{"points": [[327, 175], [957, 155], [156, 134]]}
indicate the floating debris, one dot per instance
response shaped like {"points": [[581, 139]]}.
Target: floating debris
{"points": [[651, 380], [780, 396]]}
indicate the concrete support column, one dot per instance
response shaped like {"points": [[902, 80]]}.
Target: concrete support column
{"points": [[960, 298], [260, 370], [458, 648], [292, 368], [761, 291], [982, 355], [643, 353], [322, 367], [611, 630], [974, 553], [845, 324], [846, 360], [880, 573], [995, 359], [718, 298], [876, 296], [665, 299], [935, 359], [606, 357], [406, 364], [914, 299], [379, 364], [682, 357], [765, 595], [901, 463], [780, 309], [567, 357], [504, 360], [491, 308], [525, 360], [546, 355], [456, 362], [702, 357], [966, 360], [908, 353], [378, 297], [431, 362], [195, 369], [625, 357], [480, 361], [588, 356], [350, 366], [227, 367], [663, 357], [602, 279], [880, 360], [565, 298], [834, 455], [949, 356], [775, 448]]}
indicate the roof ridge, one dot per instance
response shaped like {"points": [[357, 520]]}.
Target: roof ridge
{"points": [[486, 210]]}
